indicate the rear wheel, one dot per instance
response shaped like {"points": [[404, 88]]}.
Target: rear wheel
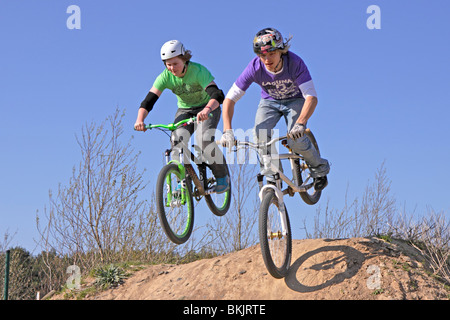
{"points": [[218, 203], [174, 204], [310, 196], [276, 243]]}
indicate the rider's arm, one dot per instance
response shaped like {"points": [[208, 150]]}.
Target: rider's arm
{"points": [[308, 109], [234, 94], [145, 108], [227, 115], [216, 96], [309, 93], [150, 99]]}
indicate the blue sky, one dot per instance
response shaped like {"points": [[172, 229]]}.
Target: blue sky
{"points": [[383, 94]]}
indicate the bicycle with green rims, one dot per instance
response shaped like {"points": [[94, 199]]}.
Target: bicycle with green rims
{"points": [[175, 191]]}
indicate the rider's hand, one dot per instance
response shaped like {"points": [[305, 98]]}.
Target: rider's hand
{"points": [[227, 139], [297, 131], [204, 114], [139, 126]]}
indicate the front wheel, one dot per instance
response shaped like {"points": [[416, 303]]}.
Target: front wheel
{"points": [[275, 240], [175, 204]]}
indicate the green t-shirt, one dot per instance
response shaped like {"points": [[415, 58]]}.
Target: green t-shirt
{"points": [[190, 89]]}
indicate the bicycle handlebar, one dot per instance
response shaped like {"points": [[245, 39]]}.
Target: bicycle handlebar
{"points": [[261, 144], [258, 145], [174, 126]]}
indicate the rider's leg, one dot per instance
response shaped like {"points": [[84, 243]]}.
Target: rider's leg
{"points": [[319, 167], [180, 138], [267, 116], [205, 138]]}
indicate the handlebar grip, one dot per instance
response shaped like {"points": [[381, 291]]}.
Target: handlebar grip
{"points": [[307, 131]]}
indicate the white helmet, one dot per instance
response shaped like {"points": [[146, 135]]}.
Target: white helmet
{"points": [[171, 49]]}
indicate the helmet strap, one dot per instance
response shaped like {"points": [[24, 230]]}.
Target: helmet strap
{"points": [[281, 61], [185, 66]]}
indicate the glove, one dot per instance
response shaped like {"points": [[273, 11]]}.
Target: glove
{"points": [[297, 131], [227, 139]]}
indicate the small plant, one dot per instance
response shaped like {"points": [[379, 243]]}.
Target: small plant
{"points": [[413, 285], [109, 276], [377, 292], [406, 266], [386, 237]]}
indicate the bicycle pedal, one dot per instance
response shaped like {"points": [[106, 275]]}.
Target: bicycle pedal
{"points": [[210, 190]]}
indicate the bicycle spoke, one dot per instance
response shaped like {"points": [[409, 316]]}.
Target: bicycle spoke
{"points": [[176, 212], [276, 238], [175, 207]]}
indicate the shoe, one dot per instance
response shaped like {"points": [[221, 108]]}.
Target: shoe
{"points": [[320, 183], [222, 184]]}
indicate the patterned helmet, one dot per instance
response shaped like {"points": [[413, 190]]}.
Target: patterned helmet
{"points": [[266, 40]]}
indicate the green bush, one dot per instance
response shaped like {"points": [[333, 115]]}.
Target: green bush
{"points": [[109, 276]]}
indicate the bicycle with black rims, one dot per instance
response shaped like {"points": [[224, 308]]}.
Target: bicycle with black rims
{"points": [[178, 184], [274, 226]]}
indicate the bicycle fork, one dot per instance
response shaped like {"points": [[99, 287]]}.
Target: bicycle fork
{"points": [[281, 207], [177, 198]]}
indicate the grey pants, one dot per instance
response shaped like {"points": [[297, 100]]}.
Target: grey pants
{"points": [[204, 136], [267, 116]]}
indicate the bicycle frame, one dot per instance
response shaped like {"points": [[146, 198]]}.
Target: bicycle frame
{"points": [[266, 160], [175, 192], [201, 182], [200, 179]]}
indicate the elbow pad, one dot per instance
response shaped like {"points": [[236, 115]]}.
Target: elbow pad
{"points": [[149, 101], [215, 93]]}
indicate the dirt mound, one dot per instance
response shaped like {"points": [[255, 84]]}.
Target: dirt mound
{"points": [[358, 268]]}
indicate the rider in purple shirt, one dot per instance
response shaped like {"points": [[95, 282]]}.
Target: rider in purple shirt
{"points": [[287, 90]]}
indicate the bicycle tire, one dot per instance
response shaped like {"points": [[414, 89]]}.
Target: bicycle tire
{"points": [[217, 206], [278, 267], [170, 215], [215, 209], [309, 198]]}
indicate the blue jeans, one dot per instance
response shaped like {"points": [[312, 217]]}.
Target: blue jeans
{"points": [[267, 116]]}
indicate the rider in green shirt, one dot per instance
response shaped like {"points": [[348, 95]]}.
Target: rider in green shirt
{"points": [[198, 95]]}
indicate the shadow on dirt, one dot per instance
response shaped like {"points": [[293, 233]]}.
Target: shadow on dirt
{"points": [[322, 267]]}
